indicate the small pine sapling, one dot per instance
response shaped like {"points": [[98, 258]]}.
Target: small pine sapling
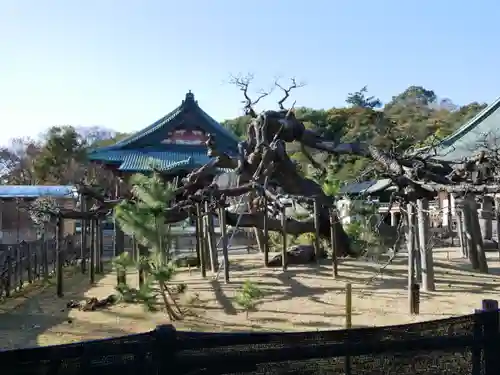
{"points": [[247, 296]]}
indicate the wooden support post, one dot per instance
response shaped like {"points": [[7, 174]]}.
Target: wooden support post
{"points": [[45, 255], [469, 235], [59, 256], [83, 235], [317, 246], [478, 237], [100, 233], [199, 240], [119, 239], [426, 256], [224, 240], [8, 283], [333, 240], [212, 245], [265, 230], [97, 245], [143, 252], [284, 254], [92, 251], [497, 215], [29, 262], [348, 306], [410, 243], [19, 267], [135, 250], [485, 216], [460, 230], [348, 323], [417, 261]]}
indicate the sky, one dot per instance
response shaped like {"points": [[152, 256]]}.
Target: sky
{"points": [[122, 64]]}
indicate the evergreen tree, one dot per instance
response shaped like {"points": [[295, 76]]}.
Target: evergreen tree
{"points": [[143, 216]]}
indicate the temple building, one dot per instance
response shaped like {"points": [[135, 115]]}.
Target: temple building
{"points": [[482, 130], [175, 144]]}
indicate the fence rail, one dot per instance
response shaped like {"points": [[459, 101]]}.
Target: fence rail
{"points": [[27, 262], [456, 346]]}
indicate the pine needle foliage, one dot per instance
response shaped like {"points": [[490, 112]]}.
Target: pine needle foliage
{"points": [[143, 216]]}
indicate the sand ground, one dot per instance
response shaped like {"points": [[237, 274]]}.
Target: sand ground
{"points": [[303, 298]]}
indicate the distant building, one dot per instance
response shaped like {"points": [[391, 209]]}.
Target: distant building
{"points": [[15, 221]]}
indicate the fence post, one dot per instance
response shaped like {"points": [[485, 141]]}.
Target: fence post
{"points": [[491, 332], [45, 257], [29, 263], [36, 265], [486, 332], [165, 347], [19, 267], [8, 283]]}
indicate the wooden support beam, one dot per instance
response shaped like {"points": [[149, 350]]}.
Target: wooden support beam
{"points": [[410, 243], [426, 256], [224, 240]]}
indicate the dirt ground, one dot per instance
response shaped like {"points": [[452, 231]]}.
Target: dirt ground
{"points": [[303, 298]]}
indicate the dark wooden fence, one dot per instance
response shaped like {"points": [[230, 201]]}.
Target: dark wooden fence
{"points": [[27, 262], [463, 345]]}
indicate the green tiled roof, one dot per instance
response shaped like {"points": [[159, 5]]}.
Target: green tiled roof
{"points": [[139, 161], [466, 140], [145, 149], [224, 137], [164, 161]]}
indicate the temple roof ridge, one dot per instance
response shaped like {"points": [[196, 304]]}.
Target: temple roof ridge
{"points": [[189, 104]]}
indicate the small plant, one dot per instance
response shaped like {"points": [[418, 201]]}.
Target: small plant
{"points": [[247, 296]]}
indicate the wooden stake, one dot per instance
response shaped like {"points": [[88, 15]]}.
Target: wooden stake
{"points": [[348, 306]]}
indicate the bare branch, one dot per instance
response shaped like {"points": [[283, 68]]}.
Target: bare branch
{"points": [[293, 85], [243, 82]]}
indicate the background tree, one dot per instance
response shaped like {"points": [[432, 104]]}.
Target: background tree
{"points": [[359, 99]]}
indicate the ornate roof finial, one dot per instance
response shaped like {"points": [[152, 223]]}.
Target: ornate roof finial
{"points": [[189, 97]]}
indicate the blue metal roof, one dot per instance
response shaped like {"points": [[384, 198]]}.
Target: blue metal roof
{"points": [[36, 191], [466, 140]]}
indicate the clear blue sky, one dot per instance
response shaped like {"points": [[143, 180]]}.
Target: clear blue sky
{"points": [[123, 64]]}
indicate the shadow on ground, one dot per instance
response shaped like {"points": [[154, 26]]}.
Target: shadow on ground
{"points": [[25, 318]]}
